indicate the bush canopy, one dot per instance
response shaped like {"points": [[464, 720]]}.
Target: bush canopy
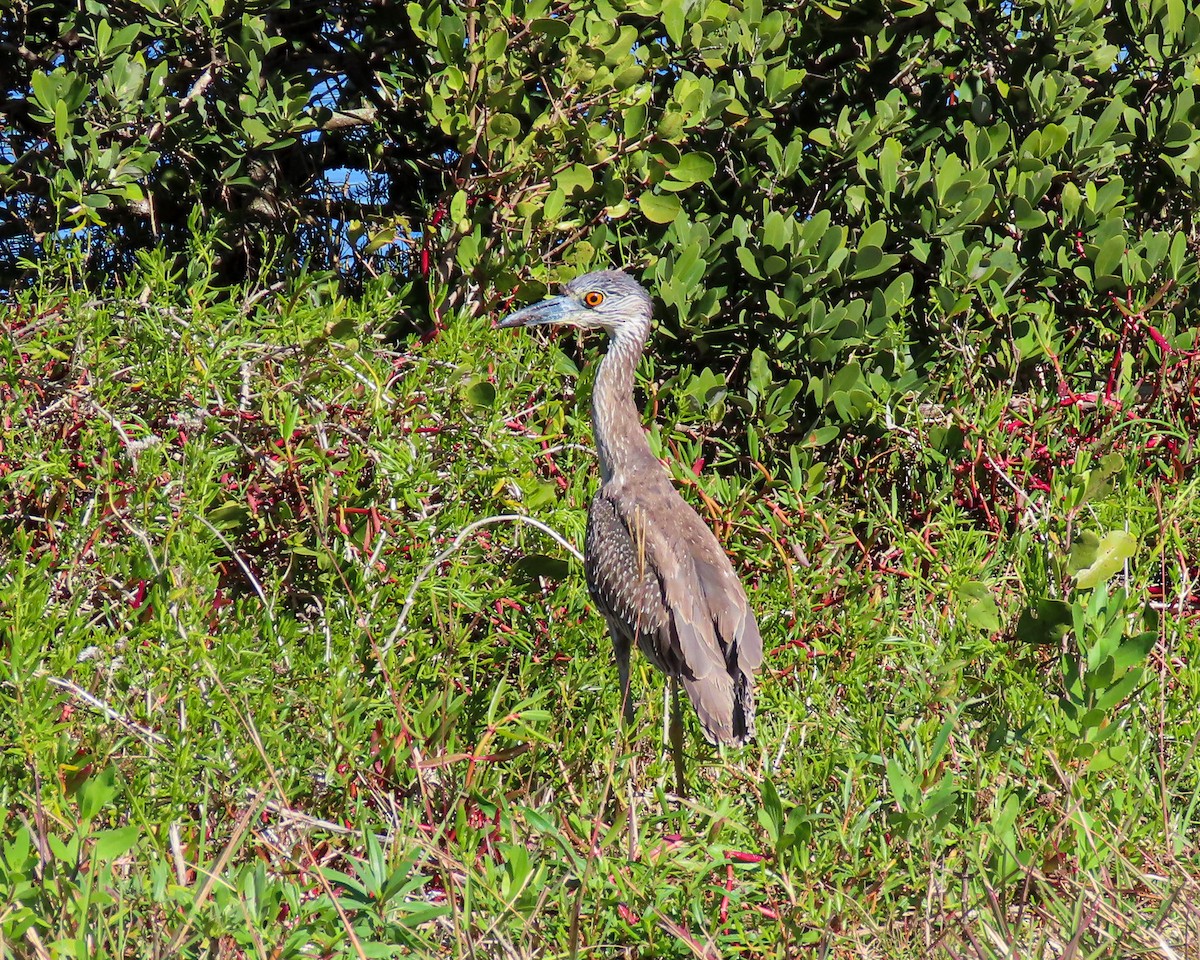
{"points": [[825, 197]]}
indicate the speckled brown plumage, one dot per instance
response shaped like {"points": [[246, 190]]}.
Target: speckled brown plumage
{"points": [[654, 569], [669, 588]]}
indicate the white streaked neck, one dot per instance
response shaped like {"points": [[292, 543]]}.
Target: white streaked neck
{"points": [[620, 440]]}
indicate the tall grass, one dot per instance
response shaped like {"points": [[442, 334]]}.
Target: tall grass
{"points": [[284, 677]]}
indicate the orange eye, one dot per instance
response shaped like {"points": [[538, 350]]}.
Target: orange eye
{"points": [[593, 298]]}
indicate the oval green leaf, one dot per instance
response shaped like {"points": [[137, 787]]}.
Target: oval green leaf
{"points": [[550, 27], [1112, 551], [659, 208], [504, 125], [693, 168]]}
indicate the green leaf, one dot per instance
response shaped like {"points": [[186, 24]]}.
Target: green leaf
{"points": [[904, 790], [481, 393], [658, 207], [627, 77], [535, 565], [257, 132], [822, 435], [1111, 697], [1083, 551], [111, 844], [1098, 479], [760, 370], [44, 92], [61, 126], [504, 126], [889, 165], [1108, 757], [773, 265], [539, 821], [552, 27], [673, 17], [496, 44], [96, 792], [942, 738], [1109, 557], [982, 610], [576, 178], [872, 261], [1176, 14], [777, 230], [771, 811], [1177, 253], [553, 207], [693, 168], [229, 515], [1108, 258], [748, 263], [1025, 216], [1044, 621], [1134, 650], [1070, 200]]}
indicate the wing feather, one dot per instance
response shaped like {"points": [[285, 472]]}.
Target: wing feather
{"points": [[620, 579]]}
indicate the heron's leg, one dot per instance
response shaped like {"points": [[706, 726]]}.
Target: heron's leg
{"points": [[666, 713], [677, 738], [634, 842], [621, 650]]}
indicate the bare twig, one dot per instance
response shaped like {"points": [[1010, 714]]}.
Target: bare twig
{"points": [[239, 831], [344, 119], [76, 691], [458, 542], [203, 82]]}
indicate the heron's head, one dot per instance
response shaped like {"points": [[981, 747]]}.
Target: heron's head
{"points": [[604, 299]]}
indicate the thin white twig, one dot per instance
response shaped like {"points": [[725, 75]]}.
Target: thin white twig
{"points": [[100, 706], [296, 818], [783, 742], [39, 948], [177, 853], [581, 447], [113, 421], [458, 541], [376, 553]]}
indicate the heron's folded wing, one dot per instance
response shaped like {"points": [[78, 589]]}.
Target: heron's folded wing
{"points": [[670, 575], [621, 577], [725, 602]]}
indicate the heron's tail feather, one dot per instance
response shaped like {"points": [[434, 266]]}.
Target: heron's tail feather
{"points": [[743, 709], [725, 706]]}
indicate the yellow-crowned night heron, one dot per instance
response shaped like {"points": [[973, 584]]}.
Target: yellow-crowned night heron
{"points": [[653, 568]]}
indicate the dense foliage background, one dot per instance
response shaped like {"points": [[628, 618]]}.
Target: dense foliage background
{"points": [[841, 186], [291, 672]]}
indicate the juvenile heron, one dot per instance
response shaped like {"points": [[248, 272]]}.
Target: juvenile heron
{"points": [[653, 568]]}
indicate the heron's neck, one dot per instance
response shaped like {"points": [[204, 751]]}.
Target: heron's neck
{"points": [[620, 441]]}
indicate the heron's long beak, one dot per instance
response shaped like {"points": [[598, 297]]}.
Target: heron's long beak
{"points": [[554, 310]]}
